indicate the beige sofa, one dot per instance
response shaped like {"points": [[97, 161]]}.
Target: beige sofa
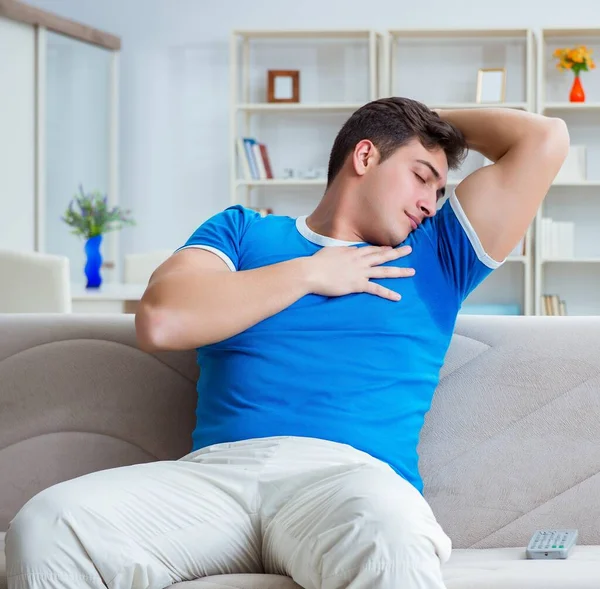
{"points": [[511, 444]]}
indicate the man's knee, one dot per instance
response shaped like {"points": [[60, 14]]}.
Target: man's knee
{"points": [[58, 539], [380, 524], [389, 530], [380, 546], [33, 529]]}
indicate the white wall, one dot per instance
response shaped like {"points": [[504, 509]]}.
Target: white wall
{"points": [[17, 137], [175, 94]]}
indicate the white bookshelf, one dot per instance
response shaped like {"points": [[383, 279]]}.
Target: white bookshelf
{"points": [[574, 278], [445, 77], [340, 70], [343, 69]]}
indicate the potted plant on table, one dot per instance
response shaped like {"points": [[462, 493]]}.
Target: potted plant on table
{"points": [[577, 59], [90, 217]]}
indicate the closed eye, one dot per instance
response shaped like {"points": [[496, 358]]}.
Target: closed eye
{"points": [[419, 177]]}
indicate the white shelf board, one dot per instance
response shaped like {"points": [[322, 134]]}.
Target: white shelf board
{"points": [[571, 106], [560, 32], [304, 33], [463, 105], [578, 184], [581, 260], [451, 182], [457, 33], [299, 107], [352, 106], [318, 181], [282, 182]]}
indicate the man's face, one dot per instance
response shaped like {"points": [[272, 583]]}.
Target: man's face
{"points": [[402, 191]]}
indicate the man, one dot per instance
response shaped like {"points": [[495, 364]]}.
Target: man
{"points": [[320, 341]]}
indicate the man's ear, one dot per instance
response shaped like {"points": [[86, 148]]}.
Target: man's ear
{"points": [[365, 156]]}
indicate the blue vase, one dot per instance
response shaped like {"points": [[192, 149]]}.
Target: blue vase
{"points": [[93, 261]]}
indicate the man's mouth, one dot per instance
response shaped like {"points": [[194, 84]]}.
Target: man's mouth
{"points": [[414, 223]]}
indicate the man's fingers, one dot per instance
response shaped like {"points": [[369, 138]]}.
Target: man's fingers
{"points": [[390, 272], [387, 255], [385, 293], [369, 250], [403, 251]]}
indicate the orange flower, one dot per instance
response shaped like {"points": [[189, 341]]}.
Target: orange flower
{"points": [[576, 58]]}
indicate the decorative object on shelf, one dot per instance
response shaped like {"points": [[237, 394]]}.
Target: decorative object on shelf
{"points": [[283, 86], [577, 59], [91, 221], [491, 85], [574, 168], [311, 173]]}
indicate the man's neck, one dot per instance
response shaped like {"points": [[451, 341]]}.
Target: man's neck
{"points": [[335, 216]]}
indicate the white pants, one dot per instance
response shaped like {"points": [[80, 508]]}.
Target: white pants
{"points": [[325, 514]]}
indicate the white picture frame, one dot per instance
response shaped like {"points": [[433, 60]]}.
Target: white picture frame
{"points": [[491, 85]]}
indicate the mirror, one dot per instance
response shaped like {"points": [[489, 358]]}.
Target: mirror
{"points": [[77, 138]]}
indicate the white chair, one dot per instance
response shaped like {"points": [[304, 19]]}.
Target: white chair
{"points": [[138, 268], [31, 282]]}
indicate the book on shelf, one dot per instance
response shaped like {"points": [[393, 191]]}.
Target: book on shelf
{"points": [[557, 238], [553, 305], [254, 158]]}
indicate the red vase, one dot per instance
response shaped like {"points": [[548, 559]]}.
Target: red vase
{"points": [[577, 93]]}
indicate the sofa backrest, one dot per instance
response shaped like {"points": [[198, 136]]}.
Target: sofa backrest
{"points": [[77, 395], [511, 443]]}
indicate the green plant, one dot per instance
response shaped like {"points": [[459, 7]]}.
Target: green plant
{"points": [[93, 216]]}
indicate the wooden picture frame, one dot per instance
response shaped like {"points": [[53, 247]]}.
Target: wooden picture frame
{"points": [[283, 86], [491, 85]]}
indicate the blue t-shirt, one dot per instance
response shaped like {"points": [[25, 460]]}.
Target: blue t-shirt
{"points": [[356, 369]]}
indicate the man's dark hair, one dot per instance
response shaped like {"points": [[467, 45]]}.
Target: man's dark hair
{"points": [[390, 123]]}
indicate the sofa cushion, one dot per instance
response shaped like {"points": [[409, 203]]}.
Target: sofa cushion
{"points": [[495, 568], [508, 568]]}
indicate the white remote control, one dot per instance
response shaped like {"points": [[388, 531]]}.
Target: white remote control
{"points": [[551, 543]]}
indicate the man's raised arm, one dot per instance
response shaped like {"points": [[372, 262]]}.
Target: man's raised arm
{"points": [[502, 199]]}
